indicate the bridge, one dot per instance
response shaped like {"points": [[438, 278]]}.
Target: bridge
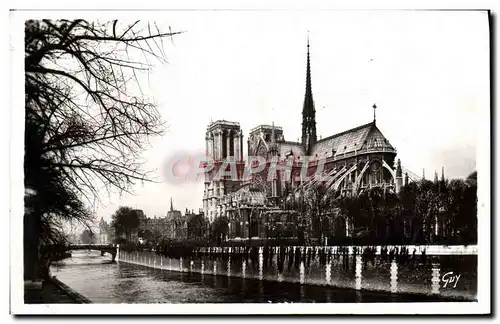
{"points": [[104, 248]]}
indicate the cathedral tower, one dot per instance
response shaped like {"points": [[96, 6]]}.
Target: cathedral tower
{"points": [[224, 143], [308, 112]]}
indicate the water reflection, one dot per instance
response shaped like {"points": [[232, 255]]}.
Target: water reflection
{"points": [[328, 296], [101, 281]]}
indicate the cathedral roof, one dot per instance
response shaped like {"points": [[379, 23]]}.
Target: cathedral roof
{"points": [[286, 147], [364, 137]]}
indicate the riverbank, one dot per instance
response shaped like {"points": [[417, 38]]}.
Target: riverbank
{"points": [[105, 282], [53, 291], [443, 271]]}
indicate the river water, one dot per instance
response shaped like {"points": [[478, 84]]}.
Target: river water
{"points": [[102, 281]]}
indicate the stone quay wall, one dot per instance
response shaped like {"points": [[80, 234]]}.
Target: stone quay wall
{"points": [[447, 271]]}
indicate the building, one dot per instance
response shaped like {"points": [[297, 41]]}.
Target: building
{"points": [[224, 140], [105, 232], [196, 225], [176, 225], [172, 226], [353, 160]]}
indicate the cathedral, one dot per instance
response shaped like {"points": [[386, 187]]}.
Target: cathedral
{"points": [[353, 160]]}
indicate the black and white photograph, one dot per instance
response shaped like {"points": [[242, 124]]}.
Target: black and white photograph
{"points": [[250, 162]]}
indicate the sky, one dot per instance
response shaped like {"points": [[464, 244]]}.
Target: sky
{"points": [[427, 72]]}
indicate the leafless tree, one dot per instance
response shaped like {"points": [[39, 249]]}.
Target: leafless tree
{"points": [[83, 89], [319, 203], [87, 121]]}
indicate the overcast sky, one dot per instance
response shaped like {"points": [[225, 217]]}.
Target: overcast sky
{"points": [[428, 73]]}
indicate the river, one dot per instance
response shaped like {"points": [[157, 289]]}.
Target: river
{"points": [[102, 281]]}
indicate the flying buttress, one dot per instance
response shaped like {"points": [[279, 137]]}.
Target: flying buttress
{"points": [[335, 174], [360, 176], [391, 171], [319, 177], [337, 183]]}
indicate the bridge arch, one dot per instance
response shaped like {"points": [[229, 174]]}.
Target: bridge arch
{"points": [[103, 248]]}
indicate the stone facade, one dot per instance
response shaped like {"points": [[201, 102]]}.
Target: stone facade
{"points": [[172, 226], [224, 140], [105, 235]]}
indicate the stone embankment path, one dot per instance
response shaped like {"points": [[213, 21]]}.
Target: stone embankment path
{"points": [[53, 292]]}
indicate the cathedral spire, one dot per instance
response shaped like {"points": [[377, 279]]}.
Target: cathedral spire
{"points": [[171, 204], [273, 135], [308, 112], [273, 146], [308, 72]]}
